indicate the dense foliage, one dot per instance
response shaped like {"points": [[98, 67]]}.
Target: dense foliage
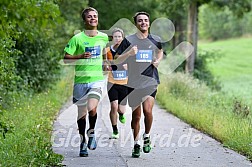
{"points": [[221, 24], [29, 52]]}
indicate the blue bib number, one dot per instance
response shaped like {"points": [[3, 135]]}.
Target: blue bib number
{"points": [[119, 75], [95, 51], [144, 56]]}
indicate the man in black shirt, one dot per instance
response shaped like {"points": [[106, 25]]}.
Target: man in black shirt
{"points": [[142, 52]]}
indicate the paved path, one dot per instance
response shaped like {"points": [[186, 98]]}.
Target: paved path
{"points": [[175, 143]]}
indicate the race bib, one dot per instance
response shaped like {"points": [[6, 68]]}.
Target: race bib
{"points": [[144, 56], [119, 75], [95, 51]]}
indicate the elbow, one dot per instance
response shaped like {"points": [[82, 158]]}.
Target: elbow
{"points": [[66, 59]]}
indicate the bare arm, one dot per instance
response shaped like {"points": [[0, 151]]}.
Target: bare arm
{"points": [[158, 58], [121, 58], [70, 59], [105, 63]]}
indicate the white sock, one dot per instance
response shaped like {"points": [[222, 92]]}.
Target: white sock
{"points": [[136, 142], [146, 135]]}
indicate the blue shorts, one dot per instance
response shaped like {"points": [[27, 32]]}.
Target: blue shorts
{"points": [[84, 91]]}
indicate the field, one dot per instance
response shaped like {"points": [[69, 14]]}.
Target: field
{"points": [[234, 67]]}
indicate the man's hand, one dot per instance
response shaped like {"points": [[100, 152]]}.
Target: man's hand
{"points": [[156, 62], [121, 58], [125, 66], [86, 55], [133, 51], [73, 58], [106, 66], [157, 59]]}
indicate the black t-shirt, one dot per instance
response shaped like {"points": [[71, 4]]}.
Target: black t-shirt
{"points": [[117, 66], [141, 72]]}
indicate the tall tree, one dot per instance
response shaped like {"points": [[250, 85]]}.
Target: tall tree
{"points": [[237, 6], [28, 46], [177, 9], [71, 12], [111, 11], [176, 12]]}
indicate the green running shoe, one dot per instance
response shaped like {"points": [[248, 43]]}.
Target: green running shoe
{"points": [[136, 151], [115, 135], [147, 145], [122, 118]]}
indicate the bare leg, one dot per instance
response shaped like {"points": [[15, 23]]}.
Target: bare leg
{"points": [[147, 111], [113, 112], [122, 109], [135, 122]]}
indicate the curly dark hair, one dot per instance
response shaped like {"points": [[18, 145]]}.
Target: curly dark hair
{"points": [[140, 13]]}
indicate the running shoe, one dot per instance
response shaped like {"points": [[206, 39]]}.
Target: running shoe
{"points": [[83, 150], [147, 145], [91, 140], [115, 135], [122, 118], [136, 151]]}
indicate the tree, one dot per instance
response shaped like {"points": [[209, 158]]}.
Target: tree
{"points": [[71, 12], [178, 9], [237, 6], [176, 12], [110, 12], [28, 46], [226, 24]]}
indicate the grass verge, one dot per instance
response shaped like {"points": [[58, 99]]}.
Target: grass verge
{"points": [[30, 142], [224, 118]]}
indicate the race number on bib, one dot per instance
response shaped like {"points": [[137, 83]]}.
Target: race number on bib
{"points": [[95, 51], [144, 56], [119, 75]]}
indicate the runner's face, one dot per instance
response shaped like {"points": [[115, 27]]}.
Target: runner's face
{"points": [[117, 37], [91, 19], [142, 22]]}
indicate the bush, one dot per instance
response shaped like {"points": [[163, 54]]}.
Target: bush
{"points": [[184, 86], [201, 70], [8, 76], [4, 126], [28, 56], [218, 24], [38, 64]]}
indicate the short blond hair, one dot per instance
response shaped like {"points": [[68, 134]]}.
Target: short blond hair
{"points": [[85, 11], [116, 29]]}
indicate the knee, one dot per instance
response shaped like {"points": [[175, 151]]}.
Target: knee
{"points": [[136, 118], [114, 106], [147, 111], [92, 112], [83, 117]]}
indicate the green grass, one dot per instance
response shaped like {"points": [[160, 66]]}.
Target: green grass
{"points": [[210, 112], [32, 117], [222, 115], [234, 68]]}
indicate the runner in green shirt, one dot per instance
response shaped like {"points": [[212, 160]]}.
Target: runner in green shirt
{"points": [[86, 49]]}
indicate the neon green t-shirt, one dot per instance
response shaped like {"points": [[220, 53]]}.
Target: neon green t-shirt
{"points": [[87, 70]]}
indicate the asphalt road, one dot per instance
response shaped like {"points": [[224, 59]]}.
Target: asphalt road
{"points": [[175, 143]]}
